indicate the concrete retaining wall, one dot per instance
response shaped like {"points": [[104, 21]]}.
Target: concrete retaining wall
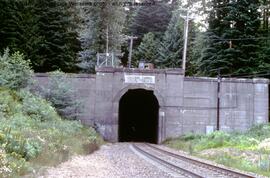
{"points": [[243, 103], [186, 104]]}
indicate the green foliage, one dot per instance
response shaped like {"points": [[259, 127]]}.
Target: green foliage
{"points": [[4, 167], [229, 21], [15, 144], [247, 151], [260, 132], [171, 48], [147, 50], [264, 163], [60, 46], [42, 30], [198, 46], [34, 135], [153, 18], [213, 140], [98, 21], [61, 94], [236, 162], [36, 108], [191, 136], [31, 132], [15, 71]]}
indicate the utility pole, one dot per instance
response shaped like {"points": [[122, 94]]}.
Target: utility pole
{"points": [[218, 99], [187, 18], [130, 49]]}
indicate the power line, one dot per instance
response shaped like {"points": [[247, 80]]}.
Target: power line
{"points": [[236, 39], [242, 39], [245, 74], [256, 75], [248, 76]]}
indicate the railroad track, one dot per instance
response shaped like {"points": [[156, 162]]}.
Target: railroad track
{"points": [[185, 165], [181, 171]]}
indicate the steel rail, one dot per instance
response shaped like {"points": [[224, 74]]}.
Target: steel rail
{"points": [[169, 165], [209, 166]]}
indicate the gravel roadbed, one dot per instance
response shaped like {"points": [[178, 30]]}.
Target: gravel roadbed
{"points": [[110, 161]]}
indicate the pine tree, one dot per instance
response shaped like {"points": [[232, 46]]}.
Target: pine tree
{"points": [[171, 48], [212, 57], [147, 50], [196, 53], [19, 27], [233, 29], [60, 46], [154, 18], [42, 30], [264, 54], [96, 21]]}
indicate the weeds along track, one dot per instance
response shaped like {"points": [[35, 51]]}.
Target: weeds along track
{"points": [[185, 165]]}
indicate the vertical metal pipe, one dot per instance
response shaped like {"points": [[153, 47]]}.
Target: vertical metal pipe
{"points": [[98, 60], [130, 52], [113, 59], [107, 45], [107, 40], [218, 100]]}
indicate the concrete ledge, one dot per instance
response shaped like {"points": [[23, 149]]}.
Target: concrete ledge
{"points": [[176, 71], [228, 80], [71, 75]]}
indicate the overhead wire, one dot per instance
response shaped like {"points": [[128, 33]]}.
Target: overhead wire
{"points": [[254, 75], [266, 72]]}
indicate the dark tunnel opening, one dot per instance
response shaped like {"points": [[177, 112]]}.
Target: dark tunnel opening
{"points": [[138, 116]]}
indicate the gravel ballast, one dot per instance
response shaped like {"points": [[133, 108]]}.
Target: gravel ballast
{"points": [[110, 161]]}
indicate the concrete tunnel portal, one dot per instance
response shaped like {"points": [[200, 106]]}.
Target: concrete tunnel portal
{"points": [[138, 116]]}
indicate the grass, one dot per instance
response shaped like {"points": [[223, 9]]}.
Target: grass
{"points": [[33, 136], [249, 151]]}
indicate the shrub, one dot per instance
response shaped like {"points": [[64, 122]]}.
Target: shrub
{"points": [[36, 107], [15, 71], [5, 170], [32, 134], [15, 143], [213, 140], [8, 104], [62, 96], [261, 131], [190, 136]]}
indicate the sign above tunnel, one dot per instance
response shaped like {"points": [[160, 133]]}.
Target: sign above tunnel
{"points": [[140, 79]]}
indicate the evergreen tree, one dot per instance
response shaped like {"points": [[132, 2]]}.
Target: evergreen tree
{"points": [[233, 29], [153, 18], [212, 57], [42, 30], [196, 53], [19, 27], [265, 33], [60, 46], [265, 15], [97, 22], [147, 50], [171, 48]]}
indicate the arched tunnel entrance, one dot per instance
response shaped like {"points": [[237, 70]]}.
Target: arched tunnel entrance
{"points": [[138, 116]]}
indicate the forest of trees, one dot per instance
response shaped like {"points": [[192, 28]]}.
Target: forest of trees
{"points": [[233, 38]]}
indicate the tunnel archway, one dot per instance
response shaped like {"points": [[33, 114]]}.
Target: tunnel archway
{"points": [[138, 116]]}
